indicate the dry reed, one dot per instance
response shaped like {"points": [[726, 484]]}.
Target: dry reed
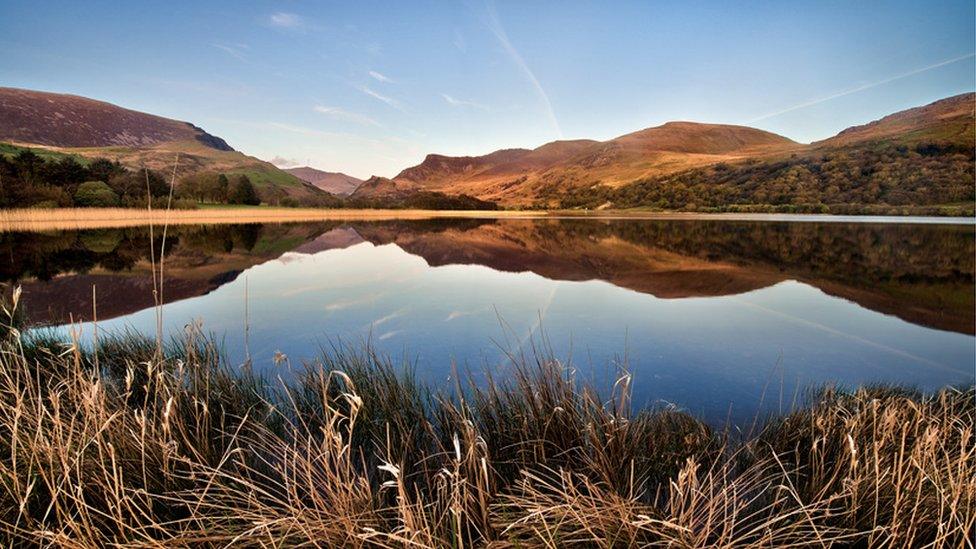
{"points": [[99, 218], [175, 447]]}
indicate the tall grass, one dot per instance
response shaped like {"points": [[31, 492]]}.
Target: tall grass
{"points": [[178, 447], [38, 219]]}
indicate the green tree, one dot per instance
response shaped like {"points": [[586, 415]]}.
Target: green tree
{"points": [[204, 187], [220, 192], [66, 173], [133, 185], [96, 194], [242, 192], [29, 167], [102, 169]]}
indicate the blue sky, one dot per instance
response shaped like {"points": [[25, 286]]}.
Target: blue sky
{"points": [[370, 88]]}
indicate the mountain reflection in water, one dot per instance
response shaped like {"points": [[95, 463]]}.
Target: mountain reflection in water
{"points": [[444, 284], [921, 273]]}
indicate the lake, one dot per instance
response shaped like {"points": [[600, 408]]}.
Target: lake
{"points": [[719, 317]]}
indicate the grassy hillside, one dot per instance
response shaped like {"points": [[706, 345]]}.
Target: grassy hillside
{"points": [[57, 125], [9, 150]]}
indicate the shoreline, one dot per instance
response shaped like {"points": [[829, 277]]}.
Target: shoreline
{"points": [[29, 220]]}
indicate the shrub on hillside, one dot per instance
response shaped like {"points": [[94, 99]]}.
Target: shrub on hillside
{"points": [[96, 194]]}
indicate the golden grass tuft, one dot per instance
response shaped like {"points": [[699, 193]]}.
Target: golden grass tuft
{"points": [[132, 445]]}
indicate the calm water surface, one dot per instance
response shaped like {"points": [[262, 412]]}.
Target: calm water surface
{"points": [[708, 315]]}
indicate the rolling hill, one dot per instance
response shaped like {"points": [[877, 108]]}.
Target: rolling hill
{"points": [[520, 175], [918, 157], [947, 120], [87, 128], [336, 183]]}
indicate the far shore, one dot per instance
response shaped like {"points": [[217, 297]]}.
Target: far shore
{"points": [[36, 219]]}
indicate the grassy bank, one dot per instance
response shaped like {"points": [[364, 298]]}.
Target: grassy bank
{"points": [[137, 445], [34, 219]]}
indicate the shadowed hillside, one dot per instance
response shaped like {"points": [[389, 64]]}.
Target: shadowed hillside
{"points": [[63, 120]]}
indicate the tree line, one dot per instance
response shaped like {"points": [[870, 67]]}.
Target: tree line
{"points": [[856, 180], [28, 180], [218, 188]]}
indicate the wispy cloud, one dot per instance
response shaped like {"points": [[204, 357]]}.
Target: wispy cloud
{"points": [[301, 130], [380, 77], [863, 87], [459, 42], [495, 26], [282, 162], [209, 88], [342, 114], [387, 318], [388, 100], [454, 102], [234, 50], [460, 314], [286, 20]]}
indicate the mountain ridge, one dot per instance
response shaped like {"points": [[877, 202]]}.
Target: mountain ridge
{"points": [[337, 183], [75, 121], [540, 176]]}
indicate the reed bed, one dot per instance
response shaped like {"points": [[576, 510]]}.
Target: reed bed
{"points": [[137, 443], [38, 219]]}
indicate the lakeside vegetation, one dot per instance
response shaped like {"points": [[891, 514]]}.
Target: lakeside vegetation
{"points": [[28, 179], [927, 178], [38, 219], [55, 180], [136, 443]]}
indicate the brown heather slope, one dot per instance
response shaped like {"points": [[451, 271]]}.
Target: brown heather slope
{"points": [[63, 120], [336, 183], [517, 175], [567, 168], [92, 129], [947, 120]]}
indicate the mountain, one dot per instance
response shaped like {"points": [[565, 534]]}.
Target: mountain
{"points": [[918, 158], [88, 128], [946, 120], [515, 175], [336, 183], [383, 187], [62, 120]]}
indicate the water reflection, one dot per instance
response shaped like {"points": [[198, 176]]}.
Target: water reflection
{"points": [[707, 314], [920, 273]]}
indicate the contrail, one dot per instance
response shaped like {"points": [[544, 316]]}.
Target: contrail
{"points": [[839, 333], [496, 28], [864, 87]]}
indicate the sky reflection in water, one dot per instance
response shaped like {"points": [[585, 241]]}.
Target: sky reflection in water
{"points": [[714, 354]]}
